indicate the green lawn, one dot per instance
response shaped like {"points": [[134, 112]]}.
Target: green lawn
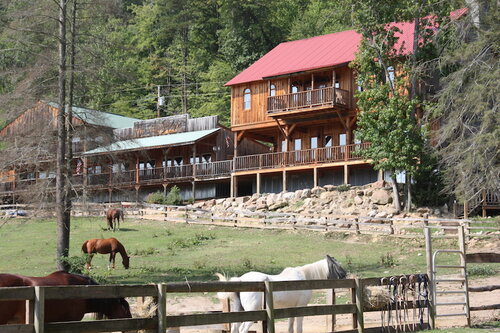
{"points": [[162, 251]]}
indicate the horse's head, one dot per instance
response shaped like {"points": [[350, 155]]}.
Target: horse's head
{"points": [[113, 308], [126, 262], [335, 271]]}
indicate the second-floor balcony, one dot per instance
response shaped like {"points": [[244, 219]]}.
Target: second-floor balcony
{"points": [[314, 99], [304, 157]]}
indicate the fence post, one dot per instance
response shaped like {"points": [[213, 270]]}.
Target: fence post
{"points": [[161, 310], [359, 305], [269, 307], [39, 312], [331, 320], [463, 262], [430, 275], [187, 214], [391, 227], [356, 225]]}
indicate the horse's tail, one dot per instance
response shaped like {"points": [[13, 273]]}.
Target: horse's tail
{"points": [[84, 246], [232, 296]]}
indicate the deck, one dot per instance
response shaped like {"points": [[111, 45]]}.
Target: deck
{"points": [[309, 100], [203, 171]]}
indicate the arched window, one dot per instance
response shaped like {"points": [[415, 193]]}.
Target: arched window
{"points": [[272, 90], [247, 98]]}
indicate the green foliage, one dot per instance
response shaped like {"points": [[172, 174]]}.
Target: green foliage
{"points": [[172, 198], [468, 105], [343, 188], [481, 270], [75, 264], [429, 183], [387, 260]]}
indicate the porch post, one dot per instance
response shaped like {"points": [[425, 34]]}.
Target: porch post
{"points": [[315, 176], [110, 195], [346, 174], [164, 189], [258, 182], [234, 182], [137, 169], [137, 187], [380, 175], [284, 181]]}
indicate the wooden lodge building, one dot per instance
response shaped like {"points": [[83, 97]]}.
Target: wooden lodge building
{"points": [[299, 97]]}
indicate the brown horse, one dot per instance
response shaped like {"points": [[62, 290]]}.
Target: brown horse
{"points": [[104, 246], [14, 312], [113, 216]]}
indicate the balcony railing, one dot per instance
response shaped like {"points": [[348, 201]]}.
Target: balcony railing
{"points": [[210, 170], [308, 99], [299, 157]]}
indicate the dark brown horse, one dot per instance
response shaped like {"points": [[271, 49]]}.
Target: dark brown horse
{"points": [[14, 312], [105, 246], [113, 216]]}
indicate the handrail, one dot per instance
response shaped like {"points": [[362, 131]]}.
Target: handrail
{"points": [[308, 99]]}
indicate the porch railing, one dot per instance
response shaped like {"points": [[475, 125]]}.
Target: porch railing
{"points": [[214, 169], [308, 99], [299, 157]]}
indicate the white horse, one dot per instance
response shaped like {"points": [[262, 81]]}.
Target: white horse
{"points": [[327, 268]]}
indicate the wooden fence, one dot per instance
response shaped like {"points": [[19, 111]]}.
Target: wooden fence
{"points": [[35, 296], [483, 258]]}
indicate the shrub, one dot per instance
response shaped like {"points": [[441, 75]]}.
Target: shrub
{"points": [[387, 260], [343, 188], [75, 264], [481, 270], [173, 196], [156, 198]]}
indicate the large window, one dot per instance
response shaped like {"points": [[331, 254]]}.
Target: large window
{"points": [[247, 99]]}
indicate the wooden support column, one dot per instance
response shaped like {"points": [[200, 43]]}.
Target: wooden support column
{"points": [[137, 187], [193, 183], [483, 205], [346, 174], [284, 181], [315, 177], [380, 175], [428, 258], [110, 195], [234, 186], [165, 189], [259, 176], [137, 169]]}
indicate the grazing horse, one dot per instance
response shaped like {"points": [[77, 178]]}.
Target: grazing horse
{"points": [[105, 246], [113, 216], [327, 268], [14, 312]]}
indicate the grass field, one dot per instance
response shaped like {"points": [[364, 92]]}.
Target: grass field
{"points": [[162, 252]]}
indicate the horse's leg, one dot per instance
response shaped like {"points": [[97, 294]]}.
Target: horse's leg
{"points": [[290, 324], [299, 324], [111, 261], [89, 260], [244, 327]]}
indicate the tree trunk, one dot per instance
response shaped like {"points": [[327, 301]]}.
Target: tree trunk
{"points": [[408, 192], [395, 191], [69, 117], [63, 223]]}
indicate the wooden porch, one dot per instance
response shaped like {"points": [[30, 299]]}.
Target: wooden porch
{"points": [[309, 100]]}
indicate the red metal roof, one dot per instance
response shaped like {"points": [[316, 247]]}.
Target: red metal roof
{"points": [[318, 52]]}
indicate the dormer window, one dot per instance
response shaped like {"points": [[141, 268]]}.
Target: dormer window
{"points": [[272, 90], [247, 98]]}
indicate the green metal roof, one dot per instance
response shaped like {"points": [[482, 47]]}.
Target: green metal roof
{"points": [[177, 139], [100, 118]]}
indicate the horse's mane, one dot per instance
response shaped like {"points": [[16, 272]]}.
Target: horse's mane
{"points": [[327, 268]]}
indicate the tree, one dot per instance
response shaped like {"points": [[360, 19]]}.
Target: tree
{"points": [[468, 145], [389, 75]]}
